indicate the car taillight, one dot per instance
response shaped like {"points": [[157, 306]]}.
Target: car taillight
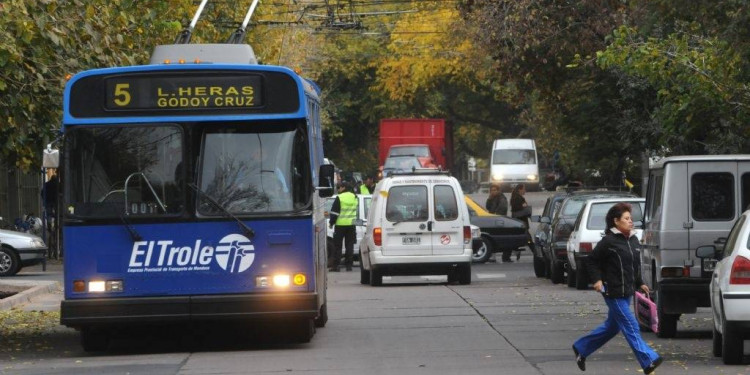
{"points": [[467, 235], [377, 236], [585, 247], [740, 271]]}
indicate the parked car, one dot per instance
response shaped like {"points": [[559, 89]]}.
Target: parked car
{"points": [[729, 290], [18, 250], [416, 226], [363, 208], [588, 230], [544, 232], [562, 224], [498, 232], [691, 201]]}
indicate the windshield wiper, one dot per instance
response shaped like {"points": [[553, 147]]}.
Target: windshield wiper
{"points": [[249, 232], [133, 233]]}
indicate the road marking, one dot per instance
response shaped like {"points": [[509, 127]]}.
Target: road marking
{"points": [[490, 276]]}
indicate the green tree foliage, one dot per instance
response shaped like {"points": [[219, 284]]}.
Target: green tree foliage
{"points": [[42, 42]]}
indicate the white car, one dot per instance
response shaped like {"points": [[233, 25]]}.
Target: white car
{"points": [[363, 209], [729, 290], [588, 230], [18, 250], [418, 225]]}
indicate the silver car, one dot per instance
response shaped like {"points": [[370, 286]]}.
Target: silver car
{"points": [[18, 250]]}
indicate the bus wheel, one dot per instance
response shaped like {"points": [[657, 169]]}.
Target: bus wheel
{"points": [[302, 331], [322, 318], [94, 340]]}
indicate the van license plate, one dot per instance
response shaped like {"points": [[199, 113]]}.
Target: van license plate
{"points": [[411, 240], [709, 265]]}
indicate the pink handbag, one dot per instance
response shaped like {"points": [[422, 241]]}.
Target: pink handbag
{"points": [[645, 312]]}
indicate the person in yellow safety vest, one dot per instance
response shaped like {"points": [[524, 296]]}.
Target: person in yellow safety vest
{"points": [[342, 215], [363, 189]]}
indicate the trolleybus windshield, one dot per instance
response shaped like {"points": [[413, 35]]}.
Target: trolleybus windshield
{"points": [[253, 169], [124, 170]]}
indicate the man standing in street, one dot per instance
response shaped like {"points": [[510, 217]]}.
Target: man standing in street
{"points": [[366, 187], [342, 214]]}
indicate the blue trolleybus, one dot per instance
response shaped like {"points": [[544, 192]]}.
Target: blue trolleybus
{"points": [[193, 192]]}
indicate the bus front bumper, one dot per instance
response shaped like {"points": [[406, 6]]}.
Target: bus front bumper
{"points": [[104, 311]]}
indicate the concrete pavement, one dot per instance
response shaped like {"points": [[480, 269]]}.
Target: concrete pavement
{"points": [[36, 290]]}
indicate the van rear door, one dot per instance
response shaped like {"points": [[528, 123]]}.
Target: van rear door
{"points": [[407, 215], [447, 222], [712, 189]]}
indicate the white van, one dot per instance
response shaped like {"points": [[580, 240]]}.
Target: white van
{"points": [[515, 161], [418, 225], [691, 201]]}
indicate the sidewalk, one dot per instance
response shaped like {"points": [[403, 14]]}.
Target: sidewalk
{"points": [[37, 290]]}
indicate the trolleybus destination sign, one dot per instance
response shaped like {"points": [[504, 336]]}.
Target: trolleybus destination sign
{"points": [[189, 92], [152, 93]]}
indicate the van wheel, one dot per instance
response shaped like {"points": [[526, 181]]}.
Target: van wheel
{"points": [[717, 341], [364, 275], [322, 318], [667, 322], [376, 277], [482, 252], [540, 269], [571, 278], [464, 274], [10, 264], [557, 272], [582, 278], [94, 340]]}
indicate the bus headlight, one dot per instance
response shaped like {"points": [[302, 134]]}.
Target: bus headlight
{"points": [[101, 286], [281, 280], [497, 176], [531, 177]]}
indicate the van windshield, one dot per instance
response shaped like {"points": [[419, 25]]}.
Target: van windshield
{"points": [[407, 203], [513, 157]]}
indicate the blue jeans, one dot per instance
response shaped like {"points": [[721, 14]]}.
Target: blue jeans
{"points": [[619, 319]]}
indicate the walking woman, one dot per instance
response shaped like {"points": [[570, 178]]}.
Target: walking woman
{"points": [[615, 266]]}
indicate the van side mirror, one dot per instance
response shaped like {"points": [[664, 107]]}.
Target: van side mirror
{"points": [[708, 251], [325, 180], [535, 218], [359, 222], [545, 220], [638, 224]]}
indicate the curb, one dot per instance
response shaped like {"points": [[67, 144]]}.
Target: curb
{"points": [[29, 294]]}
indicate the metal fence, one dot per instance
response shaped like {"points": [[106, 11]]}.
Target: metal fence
{"points": [[20, 193]]}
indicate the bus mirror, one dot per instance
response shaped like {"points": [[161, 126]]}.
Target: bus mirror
{"points": [[325, 182], [51, 157]]}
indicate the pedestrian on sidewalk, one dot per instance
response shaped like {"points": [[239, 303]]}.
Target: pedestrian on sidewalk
{"points": [[615, 265]]}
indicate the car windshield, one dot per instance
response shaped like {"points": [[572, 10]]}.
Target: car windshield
{"points": [[598, 213], [419, 151], [513, 157]]}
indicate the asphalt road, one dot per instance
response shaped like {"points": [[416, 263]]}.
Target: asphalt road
{"points": [[506, 322]]}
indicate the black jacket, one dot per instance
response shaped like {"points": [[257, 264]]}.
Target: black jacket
{"points": [[616, 261], [497, 204]]}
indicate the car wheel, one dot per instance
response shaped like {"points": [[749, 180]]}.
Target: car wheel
{"points": [[717, 340], [94, 340], [364, 275], [482, 252], [540, 269], [10, 264], [571, 279], [464, 274], [376, 277], [557, 272], [582, 277], [322, 318], [667, 322]]}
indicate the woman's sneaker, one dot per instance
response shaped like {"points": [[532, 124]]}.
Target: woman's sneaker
{"points": [[653, 365]]}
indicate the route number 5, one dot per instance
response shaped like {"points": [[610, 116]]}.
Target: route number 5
{"points": [[122, 95]]}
